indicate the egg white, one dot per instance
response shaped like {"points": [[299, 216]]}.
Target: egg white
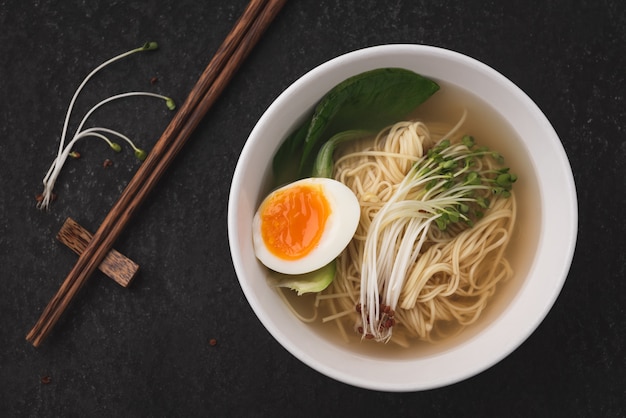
{"points": [[339, 229]]}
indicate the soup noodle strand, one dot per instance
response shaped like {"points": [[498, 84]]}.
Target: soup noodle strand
{"points": [[447, 276]]}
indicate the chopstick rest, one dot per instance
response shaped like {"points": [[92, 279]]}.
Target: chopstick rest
{"points": [[115, 265]]}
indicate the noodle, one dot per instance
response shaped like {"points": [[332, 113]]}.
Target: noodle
{"points": [[456, 271]]}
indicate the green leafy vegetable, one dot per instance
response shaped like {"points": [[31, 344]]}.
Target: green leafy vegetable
{"points": [[323, 166], [368, 101], [315, 281]]}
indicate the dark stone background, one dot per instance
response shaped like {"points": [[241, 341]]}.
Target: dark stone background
{"points": [[145, 351]]}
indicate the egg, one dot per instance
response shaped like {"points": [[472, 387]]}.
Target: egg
{"points": [[304, 225]]}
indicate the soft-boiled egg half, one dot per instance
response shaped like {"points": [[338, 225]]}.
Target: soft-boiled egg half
{"points": [[305, 225]]}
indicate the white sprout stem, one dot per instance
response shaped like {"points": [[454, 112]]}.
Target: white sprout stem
{"points": [[91, 131], [397, 234], [96, 107], [371, 278], [116, 97], [57, 165], [406, 256], [60, 160], [80, 87]]}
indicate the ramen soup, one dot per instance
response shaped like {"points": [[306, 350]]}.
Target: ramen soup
{"points": [[493, 255]]}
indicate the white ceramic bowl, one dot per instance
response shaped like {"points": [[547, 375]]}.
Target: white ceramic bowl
{"points": [[541, 252]]}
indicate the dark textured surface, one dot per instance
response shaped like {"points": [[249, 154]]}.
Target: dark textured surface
{"points": [[145, 351]]}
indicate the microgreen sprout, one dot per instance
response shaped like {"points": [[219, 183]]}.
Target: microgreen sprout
{"points": [[149, 46], [450, 186], [170, 104], [64, 149]]}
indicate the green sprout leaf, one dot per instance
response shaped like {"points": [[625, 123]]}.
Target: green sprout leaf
{"points": [[140, 154], [468, 141], [149, 46]]}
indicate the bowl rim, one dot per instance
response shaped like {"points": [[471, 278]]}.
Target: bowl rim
{"points": [[561, 230]]}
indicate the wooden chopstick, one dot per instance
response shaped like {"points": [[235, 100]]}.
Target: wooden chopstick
{"points": [[235, 48]]}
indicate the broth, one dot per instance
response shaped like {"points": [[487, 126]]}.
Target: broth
{"points": [[490, 129]]}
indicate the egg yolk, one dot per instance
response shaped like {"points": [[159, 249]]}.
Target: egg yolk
{"points": [[293, 220]]}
